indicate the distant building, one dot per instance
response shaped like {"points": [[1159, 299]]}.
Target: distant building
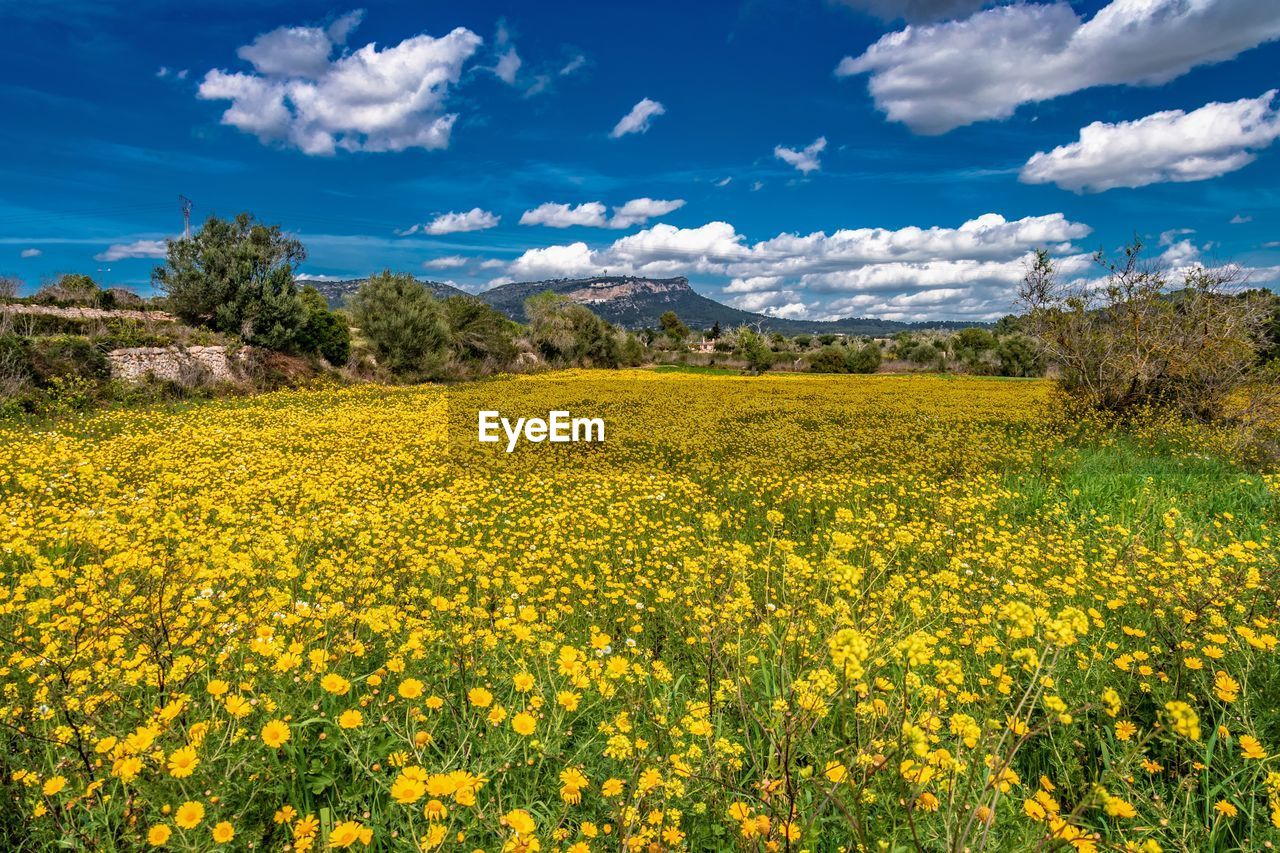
{"points": [[704, 345]]}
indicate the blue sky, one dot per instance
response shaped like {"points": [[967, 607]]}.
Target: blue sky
{"points": [[893, 158]]}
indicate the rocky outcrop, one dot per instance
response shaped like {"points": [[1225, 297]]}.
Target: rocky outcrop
{"points": [[188, 365]]}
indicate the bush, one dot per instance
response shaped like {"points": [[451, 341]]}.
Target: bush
{"points": [[480, 335], [828, 360], [865, 359], [754, 350], [61, 358], [1138, 341], [1019, 356], [322, 331], [567, 334], [403, 323]]}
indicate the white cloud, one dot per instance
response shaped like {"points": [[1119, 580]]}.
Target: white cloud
{"points": [[474, 219], [568, 261], [31, 253], [806, 159], [637, 121], [724, 182], [136, 249], [1241, 219], [555, 215], [447, 262], [572, 65], [938, 77], [508, 66], [306, 276], [1166, 146], [364, 100], [985, 255], [637, 211], [640, 210]]}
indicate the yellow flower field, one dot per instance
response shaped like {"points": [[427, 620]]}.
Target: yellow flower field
{"points": [[774, 613]]}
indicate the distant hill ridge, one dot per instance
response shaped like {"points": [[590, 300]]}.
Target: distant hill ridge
{"points": [[634, 302]]}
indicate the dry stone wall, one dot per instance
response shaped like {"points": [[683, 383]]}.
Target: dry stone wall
{"points": [[190, 365]]}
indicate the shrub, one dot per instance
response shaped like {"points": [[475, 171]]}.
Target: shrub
{"points": [[568, 334], [753, 349], [1019, 356], [828, 360], [322, 331], [864, 359], [1138, 341], [61, 358], [403, 323], [479, 334]]}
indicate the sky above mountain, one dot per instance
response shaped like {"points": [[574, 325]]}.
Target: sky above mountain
{"points": [[884, 158]]}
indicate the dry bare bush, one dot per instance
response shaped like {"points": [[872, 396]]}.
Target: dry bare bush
{"points": [[1136, 339]]}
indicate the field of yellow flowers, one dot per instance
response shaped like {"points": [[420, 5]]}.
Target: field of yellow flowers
{"points": [[774, 613]]}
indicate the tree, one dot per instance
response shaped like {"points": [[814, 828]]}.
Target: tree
{"points": [[715, 332], [753, 349], [1139, 341], [404, 324], [234, 276], [569, 334], [671, 324]]}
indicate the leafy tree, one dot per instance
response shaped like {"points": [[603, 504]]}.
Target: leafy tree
{"points": [[322, 330], [671, 324], [801, 342], [566, 333], [715, 332], [235, 276], [753, 348], [403, 323], [827, 339]]}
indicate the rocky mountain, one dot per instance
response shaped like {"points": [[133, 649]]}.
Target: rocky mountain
{"points": [[336, 292], [634, 302]]}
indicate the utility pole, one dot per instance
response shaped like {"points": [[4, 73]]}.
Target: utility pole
{"points": [[186, 217]]}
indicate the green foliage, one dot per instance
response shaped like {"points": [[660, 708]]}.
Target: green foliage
{"points": [[70, 289], [753, 349], [567, 334], [60, 358], [1019, 356], [322, 330], [236, 276], [480, 334], [864, 359], [673, 327], [403, 323], [828, 360]]}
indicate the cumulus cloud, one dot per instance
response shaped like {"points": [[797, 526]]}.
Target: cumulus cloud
{"points": [[555, 215], [474, 219], [1166, 146], [806, 159], [31, 253], [447, 262], [364, 100], [508, 60], [637, 121], [986, 256], [941, 76], [637, 211], [917, 11], [640, 210], [136, 249]]}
